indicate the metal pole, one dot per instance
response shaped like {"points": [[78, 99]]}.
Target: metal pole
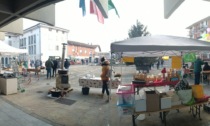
{"points": [[63, 55]]}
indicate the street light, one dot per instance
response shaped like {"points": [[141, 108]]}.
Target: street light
{"points": [[63, 55]]}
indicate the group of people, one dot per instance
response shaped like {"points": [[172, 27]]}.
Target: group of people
{"points": [[52, 65], [160, 62]]}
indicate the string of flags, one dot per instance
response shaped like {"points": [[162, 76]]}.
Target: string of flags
{"points": [[206, 36], [99, 7]]}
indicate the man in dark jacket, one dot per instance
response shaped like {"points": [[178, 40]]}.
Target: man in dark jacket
{"points": [[48, 65], [66, 64], [55, 66], [197, 69]]}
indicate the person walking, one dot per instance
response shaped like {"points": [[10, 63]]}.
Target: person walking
{"points": [[67, 64], [55, 66], [48, 65], [105, 78], [197, 69]]}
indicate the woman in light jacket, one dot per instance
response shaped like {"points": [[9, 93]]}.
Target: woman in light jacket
{"points": [[105, 78]]}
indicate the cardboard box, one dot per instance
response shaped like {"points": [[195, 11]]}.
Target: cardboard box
{"points": [[152, 101]]}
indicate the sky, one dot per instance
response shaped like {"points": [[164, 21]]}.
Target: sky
{"points": [[150, 13]]}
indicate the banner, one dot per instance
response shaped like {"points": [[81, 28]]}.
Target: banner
{"points": [[190, 57]]}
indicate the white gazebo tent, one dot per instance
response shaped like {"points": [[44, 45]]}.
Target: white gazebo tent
{"points": [[6, 49]]}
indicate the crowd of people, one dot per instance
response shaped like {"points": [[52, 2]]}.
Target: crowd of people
{"points": [[50, 65]]}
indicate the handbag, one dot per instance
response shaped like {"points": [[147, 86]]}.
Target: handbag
{"points": [[185, 95]]}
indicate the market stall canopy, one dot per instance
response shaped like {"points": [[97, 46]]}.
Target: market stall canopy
{"points": [[6, 49], [158, 45]]}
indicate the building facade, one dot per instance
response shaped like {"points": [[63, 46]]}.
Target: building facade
{"points": [[78, 50], [41, 41], [197, 29], [201, 30]]}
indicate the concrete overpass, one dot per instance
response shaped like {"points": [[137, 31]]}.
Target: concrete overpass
{"points": [[12, 12]]}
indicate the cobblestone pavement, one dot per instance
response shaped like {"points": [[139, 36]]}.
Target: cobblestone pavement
{"points": [[76, 109]]}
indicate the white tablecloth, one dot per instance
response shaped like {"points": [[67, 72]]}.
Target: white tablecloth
{"points": [[97, 83]]}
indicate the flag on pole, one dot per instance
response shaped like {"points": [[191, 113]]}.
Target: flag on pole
{"points": [[94, 10], [112, 6], [82, 5]]}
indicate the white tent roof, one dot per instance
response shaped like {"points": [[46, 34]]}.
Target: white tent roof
{"points": [[6, 49], [159, 45]]}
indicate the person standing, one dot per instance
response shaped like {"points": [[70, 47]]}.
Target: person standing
{"points": [[158, 64], [55, 66], [48, 65], [105, 78], [197, 69], [67, 64], [37, 66]]}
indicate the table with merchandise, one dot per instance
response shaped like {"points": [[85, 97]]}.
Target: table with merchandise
{"points": [[97, 83], [168, 94]]}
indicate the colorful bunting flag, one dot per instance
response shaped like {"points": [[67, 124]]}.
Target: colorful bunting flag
{"points": [[82, 5], [94, 10], [112, 6]]}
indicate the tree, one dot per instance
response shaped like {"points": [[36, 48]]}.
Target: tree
{"points": [[138, 30]]}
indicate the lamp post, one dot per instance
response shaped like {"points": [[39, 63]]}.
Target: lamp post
{"points": [[63, 55]]}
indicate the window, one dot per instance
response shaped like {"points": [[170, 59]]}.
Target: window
{"points": [[85, 51], [73, 50], [34, 39], [24, 40], [34, 49], [57, 48], [2, 60], [6, 60], [29, 49], [29, 40]]}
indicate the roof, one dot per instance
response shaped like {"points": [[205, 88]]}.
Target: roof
{"points": [[159, 45], [45, 25], [83, 45], [207, 18]]}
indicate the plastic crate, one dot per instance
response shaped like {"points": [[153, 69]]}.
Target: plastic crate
{"points": [[125, 95], [125, 110], [125, 89]]}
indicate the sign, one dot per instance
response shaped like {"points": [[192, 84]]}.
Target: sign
{"points": [[176, 62]]}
